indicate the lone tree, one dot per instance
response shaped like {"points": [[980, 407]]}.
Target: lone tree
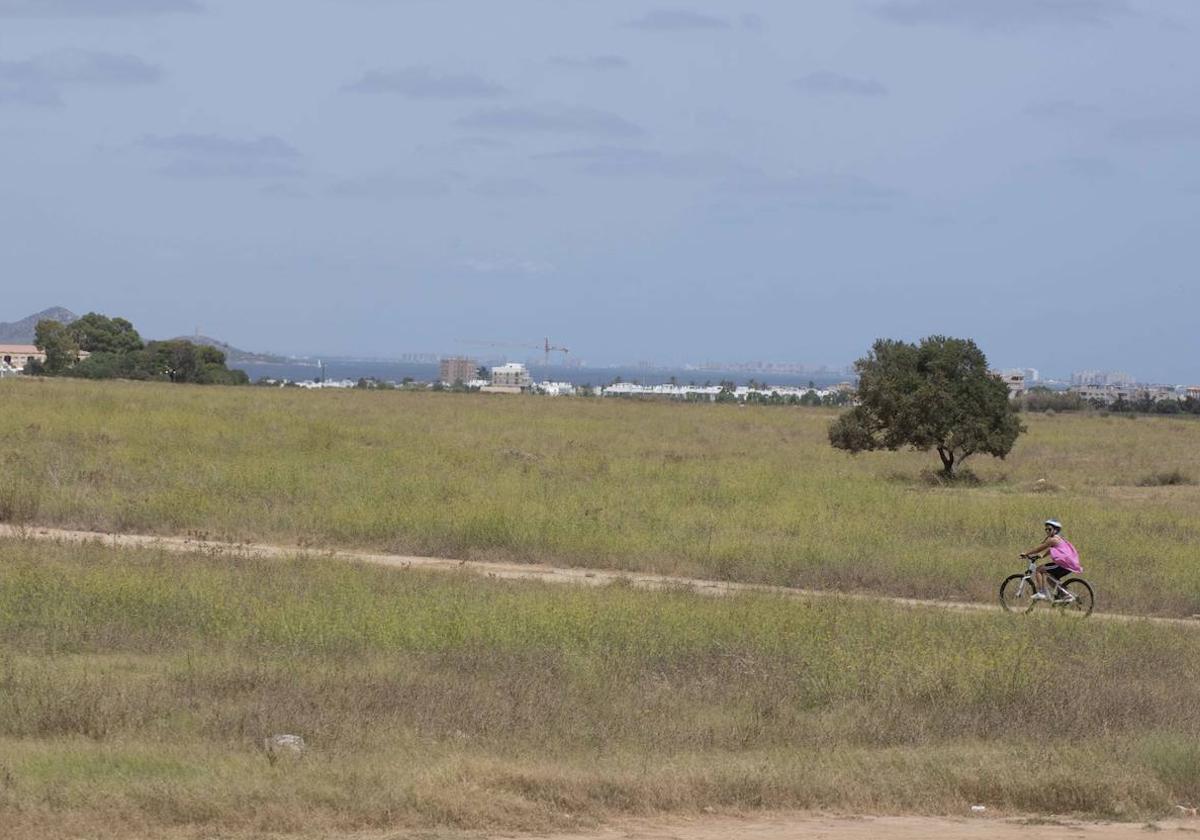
{"points": [[935, 395]]}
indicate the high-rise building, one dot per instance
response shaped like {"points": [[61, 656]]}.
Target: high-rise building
{"points": [[457, 369]]}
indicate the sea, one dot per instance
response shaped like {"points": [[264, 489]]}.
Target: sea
{"points": [[396, 371]]}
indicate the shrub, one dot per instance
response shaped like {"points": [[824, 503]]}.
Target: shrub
{"points": [[1167, 478]]}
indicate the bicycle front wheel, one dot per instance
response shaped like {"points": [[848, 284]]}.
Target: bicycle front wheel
{"points": [[1082, 598], [1016, 594]]}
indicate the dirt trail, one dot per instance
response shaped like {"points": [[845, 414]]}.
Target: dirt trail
{"points": [[807, 826], [510, 571]]}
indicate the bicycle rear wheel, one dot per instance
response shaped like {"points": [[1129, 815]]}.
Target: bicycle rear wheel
{"points": [[1016, 594], [1082, 598]]}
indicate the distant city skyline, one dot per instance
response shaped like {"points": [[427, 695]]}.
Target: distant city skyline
{"points": [[713, 180]]}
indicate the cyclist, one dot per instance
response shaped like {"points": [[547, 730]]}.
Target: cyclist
{"points": [[1064, 559]]}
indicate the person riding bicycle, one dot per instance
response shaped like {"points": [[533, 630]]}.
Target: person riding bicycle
{"points": [[1064, 559]]}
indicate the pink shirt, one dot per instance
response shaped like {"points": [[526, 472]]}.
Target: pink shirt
{"points": [[1065, 556]]}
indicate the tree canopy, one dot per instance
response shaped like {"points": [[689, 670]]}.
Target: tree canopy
{"points": [[97, 333], [60, 347], [937, 394], [116, 351]]}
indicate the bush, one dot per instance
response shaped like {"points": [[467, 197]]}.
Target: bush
{"points": [[1169, 478], [1043, 399]]}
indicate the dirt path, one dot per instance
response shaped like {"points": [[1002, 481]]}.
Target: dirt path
{"points": [[806, 826], [509, 571]]}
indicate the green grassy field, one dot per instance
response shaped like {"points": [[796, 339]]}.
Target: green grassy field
{"points": [[136, 687], [751, 493]]}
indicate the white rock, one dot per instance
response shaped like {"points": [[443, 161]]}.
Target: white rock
{"points": [[277, 745]]}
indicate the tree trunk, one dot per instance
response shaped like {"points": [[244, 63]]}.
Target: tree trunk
{"points": [[947, 456]]}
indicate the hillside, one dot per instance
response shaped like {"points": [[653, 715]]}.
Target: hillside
{"points": [[21, 332], [233, 355]]}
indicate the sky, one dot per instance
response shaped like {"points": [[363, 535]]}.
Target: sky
{"points": [[725, 181]]}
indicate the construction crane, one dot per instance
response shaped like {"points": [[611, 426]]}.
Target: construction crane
{"points": [[546, 347]]}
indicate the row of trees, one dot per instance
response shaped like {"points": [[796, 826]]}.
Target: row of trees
{"points": [[1043, 399], [99, 347], [1148, 405], [808, 398]]}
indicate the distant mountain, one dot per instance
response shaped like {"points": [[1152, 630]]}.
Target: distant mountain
{"points": [[21, 332], [232, 354]]}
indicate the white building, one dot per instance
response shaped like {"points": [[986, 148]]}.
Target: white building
{"points": [[18, 355], [555, 389], [511, 375], [1015, 380], [707, 392], [312, 385], [1110, 394], [1102, 378]]}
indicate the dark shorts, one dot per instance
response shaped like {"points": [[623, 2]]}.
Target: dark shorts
{"points": [[1055, 571]]}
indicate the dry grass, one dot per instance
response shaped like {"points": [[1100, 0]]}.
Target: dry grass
{"points": [[752, 493], [136, 687]]}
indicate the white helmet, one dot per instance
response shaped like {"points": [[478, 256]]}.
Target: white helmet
{"points": [[1054, 523]]}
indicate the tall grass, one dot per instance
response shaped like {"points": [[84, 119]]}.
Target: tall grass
{"points": [[135, 688], [742, 493]]}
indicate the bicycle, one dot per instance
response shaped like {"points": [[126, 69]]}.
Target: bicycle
{"points": [[1072, 595]]}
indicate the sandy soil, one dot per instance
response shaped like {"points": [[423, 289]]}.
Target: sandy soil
{"points": [[796, 826], [509, 571]]}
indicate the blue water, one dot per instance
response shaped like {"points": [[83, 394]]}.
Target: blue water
{"points": [[397, 371]]}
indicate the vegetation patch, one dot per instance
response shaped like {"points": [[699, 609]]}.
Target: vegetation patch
{"points": [[749, 493], [1166, 478], [136, 689]]}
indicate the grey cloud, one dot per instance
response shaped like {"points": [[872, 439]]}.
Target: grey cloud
{"points": [[283, 190], [507, 265], [82, 67], [27, 93], [552, 119], [476, 142], [424, 83], [213, 145], [1165, 129], [753, 22], [213, 156], [618, 161], [677, 20], [93, 8], [1003, 14], [1084, 167], [508, 188], [463, 145], [592, 62], [385, 186], [1087, 167], [196, 167], [39, 80], [835, 84], [1060, 109], [843, 193]]}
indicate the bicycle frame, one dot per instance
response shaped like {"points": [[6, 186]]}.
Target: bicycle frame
{"points": [[1059, 593]]}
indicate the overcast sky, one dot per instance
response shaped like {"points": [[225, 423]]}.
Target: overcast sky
{"points": [[715, 180]]}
